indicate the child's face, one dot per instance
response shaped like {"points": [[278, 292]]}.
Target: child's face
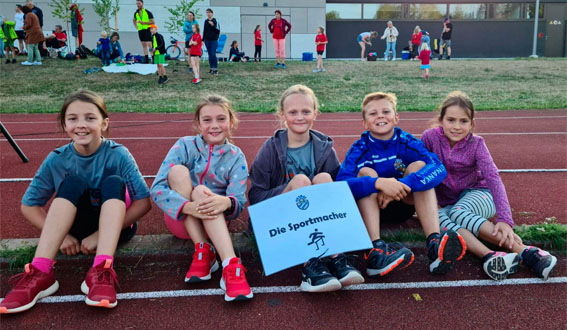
{"points": [[194, 28], [214, 124], [236, 45], [380, 119], [319, 31], [84, 124], [456, 124], [153, 30], [298, 113]]}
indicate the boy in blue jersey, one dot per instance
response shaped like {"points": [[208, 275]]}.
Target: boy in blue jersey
{"points": [[392, 175]]}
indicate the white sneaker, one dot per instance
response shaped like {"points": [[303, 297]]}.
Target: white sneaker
{"points": [[322, 70], [36, 63], [315, 70], [27, 63]]}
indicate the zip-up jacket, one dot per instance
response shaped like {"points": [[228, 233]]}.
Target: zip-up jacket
{"points": [[221, 168], [390, 159], [268, 169], [469, 166]]}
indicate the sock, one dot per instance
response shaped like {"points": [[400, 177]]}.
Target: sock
{"points": [[487, 256], [45, 265], [100, 258], [226, 261]]}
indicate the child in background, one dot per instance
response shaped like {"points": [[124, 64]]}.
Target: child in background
{"points": [[389, 171], [9, 36], [235, 54], [116, 54], [415, 42], [473, 192], [99, 195], [200, 185], [258, 43], [296, 157], [158, 53], [425, 56], [196, 51], [320, 41], [19, 28], [104, 49]]}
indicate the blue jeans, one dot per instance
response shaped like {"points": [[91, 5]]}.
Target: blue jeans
{"points": [[105, 57], [212, 50], [427, 40], [392, 46]]}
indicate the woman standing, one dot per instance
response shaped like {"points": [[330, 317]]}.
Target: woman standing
{"points": [[391, 35], [188, 30], [211, 32], [279, 27], [34, 37]]}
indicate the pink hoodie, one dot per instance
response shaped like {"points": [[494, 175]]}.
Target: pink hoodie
{"points": [[469, 166]]}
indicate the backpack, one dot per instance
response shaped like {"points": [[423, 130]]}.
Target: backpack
{"points": [[86, 50], [81, 53], [70, 56]]}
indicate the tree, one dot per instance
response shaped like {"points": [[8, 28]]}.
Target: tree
{"points": [[105, 9], [178, 15], [60, 9], [333, 14]]}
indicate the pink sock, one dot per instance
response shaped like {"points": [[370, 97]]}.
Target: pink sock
{"points": [[45, 265], [100, 258]]}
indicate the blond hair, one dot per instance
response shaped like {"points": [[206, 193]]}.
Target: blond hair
{"points": [[103, 34], [299, 89], [378, 96], [224, 103], [416, 29], [424, 46]]}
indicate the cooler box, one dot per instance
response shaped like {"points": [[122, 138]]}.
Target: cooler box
{"points": [[405, 54], [308, 57], [371, 58]]}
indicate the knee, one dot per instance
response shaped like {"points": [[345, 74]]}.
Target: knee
{"points": [[113, 187], [322, 178], [178, 173], [367, 171], [414, 167], [72, 188], [299, 181], [199, 193]]}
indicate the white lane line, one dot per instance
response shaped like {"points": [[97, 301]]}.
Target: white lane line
{"points": [[527, 170], [165, 121], [266, 136], [294, 289]]}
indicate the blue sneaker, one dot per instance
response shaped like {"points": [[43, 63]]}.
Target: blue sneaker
{"points": [[344, 271], [539, 261], [444, 251], [316, 277], [498, 265], [283, 66], [384, 258], [278, 65]]}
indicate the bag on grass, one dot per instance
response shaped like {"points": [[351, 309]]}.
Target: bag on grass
{"points": [[82, 54], [70, 56], [86, 50]]}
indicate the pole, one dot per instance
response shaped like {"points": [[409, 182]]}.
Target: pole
{"points": [[536, 21], [13, 143]]}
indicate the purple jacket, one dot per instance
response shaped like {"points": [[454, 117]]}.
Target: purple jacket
{"points": [[469, 166]]}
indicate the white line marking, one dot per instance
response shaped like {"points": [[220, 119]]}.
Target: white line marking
{"points": [[527, 170], [294, 289], [265, 136]]}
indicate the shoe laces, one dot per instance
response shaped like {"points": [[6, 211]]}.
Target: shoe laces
{"points": [[106, 276], [235, 271], [343, 261], [22, 279], [317, 266]]}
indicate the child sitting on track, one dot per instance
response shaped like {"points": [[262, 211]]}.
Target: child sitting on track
{"points": [[395, 172], [99, 196], [202, 182], [473, 192], [296, 157]]}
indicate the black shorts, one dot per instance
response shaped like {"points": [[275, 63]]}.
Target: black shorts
{"points": [[320, 52], [21, 34], [396, 212], [145, 35], [187, 44], [199, 56]]}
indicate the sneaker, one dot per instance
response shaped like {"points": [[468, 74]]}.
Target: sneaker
{"points": [[278, 65], [383, 258], [160, 80], [36, 63], [322, 70], [27, 63], [283, 66], [204, 263], [233, 282], [165, 79], [194, 80], [30, 286], [99, 285], [344, 271], [215, 72], [498, 265], [211, 71], [448, 57], [13, 61], [316, 277], [7, 61], [197, 81], [315, 70], [440, 57], [539, 261], [445, 251], [190, 70]]}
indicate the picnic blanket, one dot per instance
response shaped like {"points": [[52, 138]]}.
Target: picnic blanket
{"points": [[143, 69]]}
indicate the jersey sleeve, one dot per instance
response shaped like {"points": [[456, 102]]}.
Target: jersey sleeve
{"points": [[150, 15], [129, 171], [430, 175], [360, 187], [42, 187], [238, 180]]}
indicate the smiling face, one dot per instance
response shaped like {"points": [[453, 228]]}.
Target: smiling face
{"points": [[190, 17], [214, 124], [456, 124], [380, 118], [84, 124], [298, 113]]}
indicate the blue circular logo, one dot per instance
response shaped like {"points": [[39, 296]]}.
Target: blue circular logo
{"points": [[302, 202]]}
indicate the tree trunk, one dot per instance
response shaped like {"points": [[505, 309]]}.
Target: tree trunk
{"points": [[116, 20]]}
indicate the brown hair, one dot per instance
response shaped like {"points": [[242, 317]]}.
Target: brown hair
{"points": [[459, 99], [197, 27], [221, 101], [322, 29], [278, 12], [378, 96], [87, 96], [299, 89]]}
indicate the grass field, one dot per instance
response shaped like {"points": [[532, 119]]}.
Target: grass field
{"points": [[493, 84]]}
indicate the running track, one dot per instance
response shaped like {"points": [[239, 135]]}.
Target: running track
{"points": [[155, 295]]}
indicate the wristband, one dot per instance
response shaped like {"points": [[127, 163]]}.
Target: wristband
{"points": [[231, 208]]}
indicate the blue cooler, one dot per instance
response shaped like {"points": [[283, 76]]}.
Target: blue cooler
{"points": [[308, 57], [405, 54]]}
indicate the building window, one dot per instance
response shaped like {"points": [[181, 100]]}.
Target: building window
{"points": [[382, 11], [530, 11], [468, 11], [427, 11], [344, 11], [513, 11]]}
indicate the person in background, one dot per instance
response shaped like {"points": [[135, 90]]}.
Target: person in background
{"points": [[320, 41], [236, 55], [104, 48], [158, 53], [391, 35], [211, 33], [258, 43], [142, 20], [446, 38], [57, 39], [195, 52], [415, 42], [19, 28], [425, 57], [34, 37], [116, 54], [188, 30], [363, 39], [8, 36], [279, 28]]}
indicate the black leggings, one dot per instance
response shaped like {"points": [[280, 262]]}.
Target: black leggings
{"points": [[76, 190], [258, 52]]}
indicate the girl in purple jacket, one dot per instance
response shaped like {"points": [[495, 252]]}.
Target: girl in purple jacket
{"points": [[473, 192]]}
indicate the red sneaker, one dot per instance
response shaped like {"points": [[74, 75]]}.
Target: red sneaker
{"points": [[204, 263], [194, 81], [99, 286], [233, 282], [29, 287]]}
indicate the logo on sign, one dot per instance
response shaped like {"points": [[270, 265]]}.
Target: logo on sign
{"points": [[302, 202]]}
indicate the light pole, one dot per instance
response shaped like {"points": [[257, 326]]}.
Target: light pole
{"points": [[536, 21]]}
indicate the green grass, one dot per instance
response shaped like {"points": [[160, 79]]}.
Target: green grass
{"points": [[492, 84]]}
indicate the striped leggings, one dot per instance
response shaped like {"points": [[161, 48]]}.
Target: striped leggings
{"points": [[474, 207]]}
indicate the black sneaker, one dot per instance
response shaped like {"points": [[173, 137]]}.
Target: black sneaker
{"points": [[211, 71], [215, 72], [7, 61], [160, 80], [344, 271], [444, 251], [498, 265], [165, 79], [440, 57], [384, 258], [539, 261], [13, 61], [448, 57], [316, 277]]}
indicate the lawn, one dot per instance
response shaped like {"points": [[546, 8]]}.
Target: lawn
{"points": [[493, 84]]}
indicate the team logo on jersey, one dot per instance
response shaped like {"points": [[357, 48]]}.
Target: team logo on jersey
{"points": [[400, 166]]}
